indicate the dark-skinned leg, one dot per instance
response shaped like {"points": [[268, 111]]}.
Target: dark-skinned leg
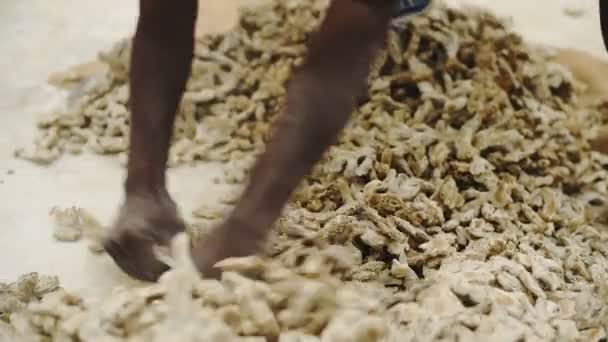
{"points": [[160, 65], [600, 143], [320, 99], [603, 7]]}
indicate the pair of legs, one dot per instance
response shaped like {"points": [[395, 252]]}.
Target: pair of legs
{"points": [[321, 95]]}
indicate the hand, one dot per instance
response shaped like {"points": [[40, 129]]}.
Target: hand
{"points": [[143, 222]]}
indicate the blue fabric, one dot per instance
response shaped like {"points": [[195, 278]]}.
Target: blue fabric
{"points": [[410, 7]]}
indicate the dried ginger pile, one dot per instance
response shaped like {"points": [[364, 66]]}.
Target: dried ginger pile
{"points": [[459, 204]]}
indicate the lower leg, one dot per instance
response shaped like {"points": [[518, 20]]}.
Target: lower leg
{"points": [[320, 98], [160, 65], [603, 6]]}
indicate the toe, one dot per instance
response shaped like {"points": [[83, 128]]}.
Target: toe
{"points": [[135, 257]]}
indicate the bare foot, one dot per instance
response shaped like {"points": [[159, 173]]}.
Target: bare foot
{"points": [[142, 224], [235, 238]]}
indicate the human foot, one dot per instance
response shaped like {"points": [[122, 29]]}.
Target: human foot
{"points": [[233, 239], [143, 222]]}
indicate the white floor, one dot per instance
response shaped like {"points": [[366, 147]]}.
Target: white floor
{"points": [[38, 37]]}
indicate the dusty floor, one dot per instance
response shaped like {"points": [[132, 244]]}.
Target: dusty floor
{"points": [[38, 38]]}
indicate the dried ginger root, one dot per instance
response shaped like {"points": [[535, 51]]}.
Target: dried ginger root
{"points": [[72, 224], [459, 204]]}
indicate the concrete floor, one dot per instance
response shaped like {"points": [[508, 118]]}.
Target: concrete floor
{"points": [[39, 37]]}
